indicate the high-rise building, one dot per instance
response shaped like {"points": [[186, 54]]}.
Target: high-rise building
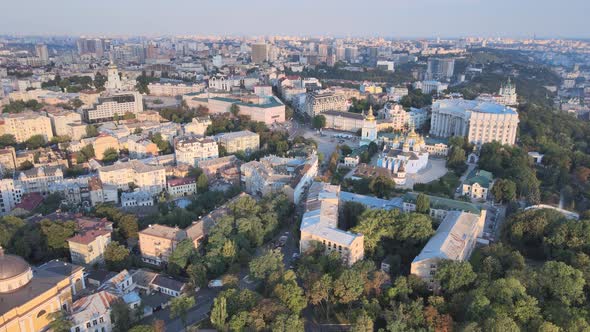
{"points": [[41, 52], [440, 68], [259, 53]]}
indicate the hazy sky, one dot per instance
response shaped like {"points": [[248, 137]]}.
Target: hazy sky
{"points": [[389, 18]]}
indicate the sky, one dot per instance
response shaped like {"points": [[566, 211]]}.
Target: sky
{"points": [[386, 18]]}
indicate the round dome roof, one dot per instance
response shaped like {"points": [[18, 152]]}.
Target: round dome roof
{"points": [[12, 266]]}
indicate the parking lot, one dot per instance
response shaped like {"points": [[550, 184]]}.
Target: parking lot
{"points": [[329, 139]]}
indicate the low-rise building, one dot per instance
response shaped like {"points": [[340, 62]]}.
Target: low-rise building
{"points": [[140, 147], [454, 239], [38, 179], [440, 206], [61, 119], [93, 313], [174, 89], [137, 198], [273, 174], [102, 193], [157, 242], [190, 150], [182, 187], [233, 142], [8, 159], [477, 184], [215, 168], [89, 244], [320, 225], [198, 125], [150, 178]]}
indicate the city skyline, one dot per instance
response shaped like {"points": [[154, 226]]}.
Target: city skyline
{"points": [[394, 19]]}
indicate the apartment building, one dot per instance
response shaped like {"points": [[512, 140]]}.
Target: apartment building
{"points": [[174, 89], [113, 104], [8, 159], [319, 101], [245, 140], [61, 119], [102, 193], [273, 174], [150, 178], [454, 239], [26, 124], [189, 150], [11, 193], [182, 187], [157, 242], [38, 179], [140, 147], [198, 126], [89, 244], [320, 225]]}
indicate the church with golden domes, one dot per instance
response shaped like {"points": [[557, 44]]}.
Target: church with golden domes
{"points": [[405, 154]]}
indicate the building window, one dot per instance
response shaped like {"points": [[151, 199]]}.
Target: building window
{"points": [[41, 313], [88, 325], [101, 320], [94, 322]]}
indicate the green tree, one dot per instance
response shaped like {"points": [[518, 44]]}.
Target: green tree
{"points": [[319, 121], [234, 109], [142, 328], [422, 204], [25, 165], [7, 140], [287, 323], [91, 131], [110, 155], [219, 313], [291, 295], [99, 81], [348, 287], [454, 275], [197, 274], [116, 256], [127, 226], [504, 191], [266, 264], [121, 317], [180, 256], [202, 183], [362, 323], [561, 282], [321, 292], [35, 142], [60, 322], [382, 186], [179, 307]]}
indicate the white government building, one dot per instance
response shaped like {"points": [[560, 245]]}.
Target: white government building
{"points": [[481, 122]]}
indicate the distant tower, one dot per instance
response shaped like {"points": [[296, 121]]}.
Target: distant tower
{"points": [[113, 80], [369, 130]]}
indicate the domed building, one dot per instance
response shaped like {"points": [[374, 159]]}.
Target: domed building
{"points": [[28, 295], [404, 155]]}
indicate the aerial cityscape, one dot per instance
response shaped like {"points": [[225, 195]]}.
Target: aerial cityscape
{"points": [[258, 166]]}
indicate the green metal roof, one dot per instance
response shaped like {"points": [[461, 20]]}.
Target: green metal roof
{"points": [[484, 178], [444, 203]]}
